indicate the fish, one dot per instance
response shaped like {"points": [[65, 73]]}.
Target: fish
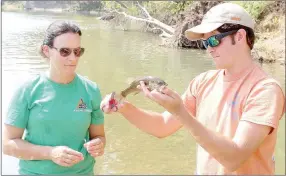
{"points": [[151, 83]]}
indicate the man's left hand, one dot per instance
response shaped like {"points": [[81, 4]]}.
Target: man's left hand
{"points": [[167, 98]]}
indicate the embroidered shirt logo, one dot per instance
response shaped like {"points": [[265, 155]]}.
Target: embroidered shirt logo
{"points": [[81, 106]]}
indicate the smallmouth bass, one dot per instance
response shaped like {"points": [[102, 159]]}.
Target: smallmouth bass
{"points": [[150, 81]]}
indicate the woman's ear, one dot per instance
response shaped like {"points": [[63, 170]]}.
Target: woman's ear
{"points": [[46, 51]]}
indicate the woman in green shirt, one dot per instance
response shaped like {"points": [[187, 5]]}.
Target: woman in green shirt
{"points": [[58, 110]]}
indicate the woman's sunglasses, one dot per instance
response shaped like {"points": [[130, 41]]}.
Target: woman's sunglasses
{"points": [[215, 39], [64, 52]]}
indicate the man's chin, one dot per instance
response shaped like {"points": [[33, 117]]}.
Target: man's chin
{"points": [[219, 66], [70, 71]]}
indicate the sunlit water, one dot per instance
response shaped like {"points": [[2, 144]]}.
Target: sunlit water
{"points": [[111, 57]]}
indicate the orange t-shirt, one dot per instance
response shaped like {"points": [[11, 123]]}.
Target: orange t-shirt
{"points": [[220, 102]]}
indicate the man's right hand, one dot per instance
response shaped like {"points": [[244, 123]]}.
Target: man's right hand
{"points": [[65, 156], [111, 103]]}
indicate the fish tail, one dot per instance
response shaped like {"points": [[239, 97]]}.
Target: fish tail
{"points": [[125, 92]]}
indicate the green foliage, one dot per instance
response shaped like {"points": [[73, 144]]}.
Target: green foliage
{"points": [[254, 8], [12, 5], [89, 6], [131, 6], [157, 9], [166, 7], [133, 10], [112, 5], [166, 11]]}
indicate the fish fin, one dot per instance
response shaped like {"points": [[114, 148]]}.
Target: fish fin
{"points": [[129, 80], [136, 93]]}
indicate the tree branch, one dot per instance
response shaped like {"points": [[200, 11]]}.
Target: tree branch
{"points": [[168, 29], [121, 3], [146, 13]]}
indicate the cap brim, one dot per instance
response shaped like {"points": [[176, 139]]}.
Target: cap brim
{"points": [[197, 32]]}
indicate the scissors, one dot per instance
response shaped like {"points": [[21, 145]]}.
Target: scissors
{"points": [[112, 102]]}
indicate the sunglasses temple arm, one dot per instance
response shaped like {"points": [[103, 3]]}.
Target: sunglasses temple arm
{"points": [[222, 35]]}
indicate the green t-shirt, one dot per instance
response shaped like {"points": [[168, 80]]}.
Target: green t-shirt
{"points": [[54, 114]]}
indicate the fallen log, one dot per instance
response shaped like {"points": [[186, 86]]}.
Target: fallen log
{"points": [[151, 24], [171, 35]]}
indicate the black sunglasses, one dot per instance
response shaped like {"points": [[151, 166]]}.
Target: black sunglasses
{"points": [[64, 52], [215, 39]]}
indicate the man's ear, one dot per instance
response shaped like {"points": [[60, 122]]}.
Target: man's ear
{"points": [[45, 49], [240, 35]]}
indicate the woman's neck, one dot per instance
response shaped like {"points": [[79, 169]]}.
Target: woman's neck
{"points": [[60, 78]]}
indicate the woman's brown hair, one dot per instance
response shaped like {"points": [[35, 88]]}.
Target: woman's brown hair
{"points": [[58, 28]]}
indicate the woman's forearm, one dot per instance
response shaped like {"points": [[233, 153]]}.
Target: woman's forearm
{"points": [[24, 150]]}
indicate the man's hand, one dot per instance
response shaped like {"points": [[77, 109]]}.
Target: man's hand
{"points": [[167, 98], [65, 156], [95, 147]]}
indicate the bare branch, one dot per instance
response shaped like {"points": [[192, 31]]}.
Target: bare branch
{"points": [[168, 29], [146, 13], [121, 3]]}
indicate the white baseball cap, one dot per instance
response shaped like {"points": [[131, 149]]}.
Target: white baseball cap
{"points": [[219, 15]]}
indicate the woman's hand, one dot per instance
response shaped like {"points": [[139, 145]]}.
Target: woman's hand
{"points": [[95, 147], [65, 156]]}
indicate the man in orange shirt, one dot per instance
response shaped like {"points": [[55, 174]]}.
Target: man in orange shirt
{"points": [[232, 112]]}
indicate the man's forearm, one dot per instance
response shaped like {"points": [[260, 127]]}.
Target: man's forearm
{"points": [[149, 122], [24, 150], [223, 149]]}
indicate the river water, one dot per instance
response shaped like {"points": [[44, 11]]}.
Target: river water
{"points": [[112, 57]]}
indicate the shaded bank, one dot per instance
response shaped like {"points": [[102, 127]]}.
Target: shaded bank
{"points": [[170, 19], [269, 30]]}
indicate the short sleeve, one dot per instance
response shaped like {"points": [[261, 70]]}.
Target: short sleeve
{"points": [[189, 96], [18, 111], [265, 105], [97, 117]]}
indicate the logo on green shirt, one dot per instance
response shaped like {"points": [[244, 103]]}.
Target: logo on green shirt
{"points": [[81, 106]]}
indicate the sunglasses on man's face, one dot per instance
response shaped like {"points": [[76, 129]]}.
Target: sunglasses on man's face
{"points": [[65, 52], [216, 39]]}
